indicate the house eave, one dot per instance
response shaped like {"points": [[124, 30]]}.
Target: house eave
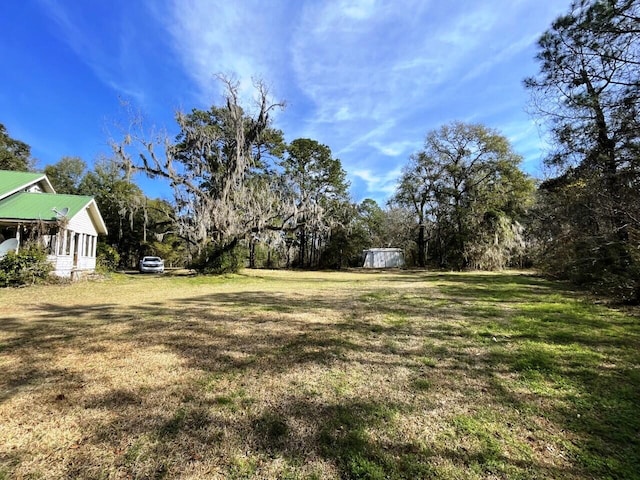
{"points": [[94, 212], [26, 220]]}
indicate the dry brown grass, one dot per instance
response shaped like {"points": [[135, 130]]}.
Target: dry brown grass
{"points": [[280, 375]]}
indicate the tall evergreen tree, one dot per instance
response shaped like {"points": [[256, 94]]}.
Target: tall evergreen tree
{"points": [[318, 185], [588, 89]]}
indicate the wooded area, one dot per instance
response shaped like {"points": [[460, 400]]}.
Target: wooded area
{"points": [[240, 193]]}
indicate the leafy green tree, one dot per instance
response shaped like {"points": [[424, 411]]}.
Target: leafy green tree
{"points": [[366, 225], [416, 191], [317, 183], [372, 219], [588, 89], [466, 183], [66, 175], [398, 230], [346, 238], [137, 225], [159, 236], [121, 205], [14, 154], [107, 258]]}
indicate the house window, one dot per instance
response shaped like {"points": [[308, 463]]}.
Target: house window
{"points": [[67, 250], [61, 238], [53, 243]]}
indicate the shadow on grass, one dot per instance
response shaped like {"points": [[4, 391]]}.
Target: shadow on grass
{"points": [[576, 363], [502, 287], [351, 435]]}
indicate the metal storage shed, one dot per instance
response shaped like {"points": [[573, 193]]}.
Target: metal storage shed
{"points": [[383, 258]]}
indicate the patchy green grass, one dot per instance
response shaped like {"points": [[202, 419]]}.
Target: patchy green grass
{"points": [[314, 375]]}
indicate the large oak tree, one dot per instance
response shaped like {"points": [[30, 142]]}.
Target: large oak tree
{"points": [[465, 187], [216, 168]]}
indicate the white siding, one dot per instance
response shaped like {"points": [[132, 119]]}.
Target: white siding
{"points": [[62, 265], [86, 263], [81, 223], [83, 253]]}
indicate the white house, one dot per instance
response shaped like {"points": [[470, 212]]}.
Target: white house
{"points": [[67, 225], [383, 258]]}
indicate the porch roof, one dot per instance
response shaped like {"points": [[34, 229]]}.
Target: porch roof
{"points": [[40, 206]]}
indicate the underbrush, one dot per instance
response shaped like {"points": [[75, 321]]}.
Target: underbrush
{"points": [[26, 267]]}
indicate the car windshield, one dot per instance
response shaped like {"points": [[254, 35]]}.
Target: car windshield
{"points": [[151, 259]]}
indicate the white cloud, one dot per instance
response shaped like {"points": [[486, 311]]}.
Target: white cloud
{"points": [[239, 39], [367, 77], [500, 57], [342, 15], [378, 181], [343, 114], [395, 149], [365, 137], [402, 56]]}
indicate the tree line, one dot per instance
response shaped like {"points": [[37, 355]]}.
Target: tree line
{"points": [[241, 193]]}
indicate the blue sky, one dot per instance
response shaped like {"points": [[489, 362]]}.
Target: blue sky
{"points": [[368, 78]]}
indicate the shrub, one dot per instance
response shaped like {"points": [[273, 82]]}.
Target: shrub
{"points": [[107, 258], [217, 259], [27, 267]]}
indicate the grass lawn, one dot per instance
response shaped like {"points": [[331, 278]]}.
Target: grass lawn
{"points": [[358, 375]]}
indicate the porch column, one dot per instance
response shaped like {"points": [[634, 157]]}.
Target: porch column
{"points": [[63, 242]]}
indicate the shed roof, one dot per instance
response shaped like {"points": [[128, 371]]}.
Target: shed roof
{"points": [[11, 182], [44, 206]]}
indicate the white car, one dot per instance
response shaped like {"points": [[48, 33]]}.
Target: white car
{"points": [[151, 265]]}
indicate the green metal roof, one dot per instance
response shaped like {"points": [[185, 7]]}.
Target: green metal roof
{"points": [[10, 181], [40, 206]]}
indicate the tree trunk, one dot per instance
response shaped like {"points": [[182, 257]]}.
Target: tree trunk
{"points": [[605, 155], [422, 262], [302, 248], [252, 254]]}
